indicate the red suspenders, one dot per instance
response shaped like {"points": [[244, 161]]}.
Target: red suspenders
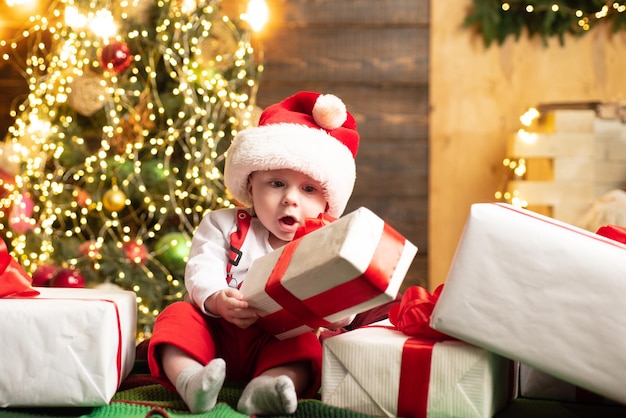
{"points": [[237, 238]]}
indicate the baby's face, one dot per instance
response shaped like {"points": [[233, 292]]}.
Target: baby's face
{"points": [[283, 199]]}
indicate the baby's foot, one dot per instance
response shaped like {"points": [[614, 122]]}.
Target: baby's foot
{"points": [[266, 395], [199, 386]]}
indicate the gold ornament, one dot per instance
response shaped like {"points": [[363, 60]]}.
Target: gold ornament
{"points": [[114, 200], [133, 125]]}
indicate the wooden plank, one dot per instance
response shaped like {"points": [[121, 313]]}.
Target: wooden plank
{"points": [[381, 112], [347, 12], [418, 272], [392, 169], [349, 55]]}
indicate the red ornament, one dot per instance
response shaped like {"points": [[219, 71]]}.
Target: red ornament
{"points": [[83, 198], [89, 249], [43, 275], [136, 252], [116, 57], [68, 277], [20, 217]]}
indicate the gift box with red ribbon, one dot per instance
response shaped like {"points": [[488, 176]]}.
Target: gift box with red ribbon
{"points": [[342, 268], [402, 367], [62, 347], [541, 292]]}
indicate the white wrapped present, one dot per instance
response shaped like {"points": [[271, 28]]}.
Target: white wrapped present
{"points": [[351, 265], [541, 292], [66, 347], [380, 371], [535, 384]]}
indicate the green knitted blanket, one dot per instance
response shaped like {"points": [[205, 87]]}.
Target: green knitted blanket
{"points": [[139, 396]]}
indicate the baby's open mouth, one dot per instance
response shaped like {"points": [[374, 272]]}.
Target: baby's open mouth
{"points": [[288, 220]]}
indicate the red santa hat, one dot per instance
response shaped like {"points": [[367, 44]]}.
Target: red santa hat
{"points": [[308, 132]]}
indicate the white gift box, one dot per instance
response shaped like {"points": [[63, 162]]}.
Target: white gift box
{"points": [[66, 347], [362, 371], [541, 292], [535, 384], [353, 264]]}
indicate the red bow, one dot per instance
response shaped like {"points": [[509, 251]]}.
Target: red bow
{"points": [[14, 281], [312, 224], [412, 315]]}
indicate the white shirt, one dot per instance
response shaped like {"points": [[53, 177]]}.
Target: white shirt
{"points": [[205, 272]]}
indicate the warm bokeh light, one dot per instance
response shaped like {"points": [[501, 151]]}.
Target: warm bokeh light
{"points": [[120, 142], [257, 14]]}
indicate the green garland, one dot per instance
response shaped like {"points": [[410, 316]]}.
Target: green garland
{"points": [[495, 20]]}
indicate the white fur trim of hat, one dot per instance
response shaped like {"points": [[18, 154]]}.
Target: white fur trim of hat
{"points": [[307, 132]]}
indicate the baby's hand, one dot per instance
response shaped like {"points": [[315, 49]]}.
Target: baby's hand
{"points": [[229, 304]]}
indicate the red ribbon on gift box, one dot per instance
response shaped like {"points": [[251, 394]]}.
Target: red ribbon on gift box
{"points": [[14, 281], [412, 317], [312, 311], [615, 232]]}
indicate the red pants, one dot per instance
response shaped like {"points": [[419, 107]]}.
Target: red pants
{"points": [[247, 352]]}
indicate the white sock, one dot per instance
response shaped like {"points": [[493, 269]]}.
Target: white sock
{"points": [[267, 395], [199, 386]]}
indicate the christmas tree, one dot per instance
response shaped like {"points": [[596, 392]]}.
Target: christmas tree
{"points": [[117, 151]]}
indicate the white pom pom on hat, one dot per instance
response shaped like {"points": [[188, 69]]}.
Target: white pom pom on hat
{"points": [[308, 132], [329, 112]]}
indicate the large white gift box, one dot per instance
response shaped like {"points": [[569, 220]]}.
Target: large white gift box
{"points": [[353, 264], [380, 371], [535, 384], [66, 347], [542, 292]]}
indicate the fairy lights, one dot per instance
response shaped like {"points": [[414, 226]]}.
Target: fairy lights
{"points": [[496, 21], [516, 168], [584, 18], [122, 137]]}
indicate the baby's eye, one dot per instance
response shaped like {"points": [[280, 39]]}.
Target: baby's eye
{"points": [[309, 189], [277, 183]]}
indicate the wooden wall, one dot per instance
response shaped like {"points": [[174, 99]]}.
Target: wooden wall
{"points": [[374, 55], [477, 95]]}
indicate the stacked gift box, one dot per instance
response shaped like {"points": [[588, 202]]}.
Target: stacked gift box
{"points": [[66, 347], [404, 368], [544, 293], [531, 308], [566, 159], [62, 347]]}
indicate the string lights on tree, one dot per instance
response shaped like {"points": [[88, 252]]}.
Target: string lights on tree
{"points": [[117, 151], [496, 20]]}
